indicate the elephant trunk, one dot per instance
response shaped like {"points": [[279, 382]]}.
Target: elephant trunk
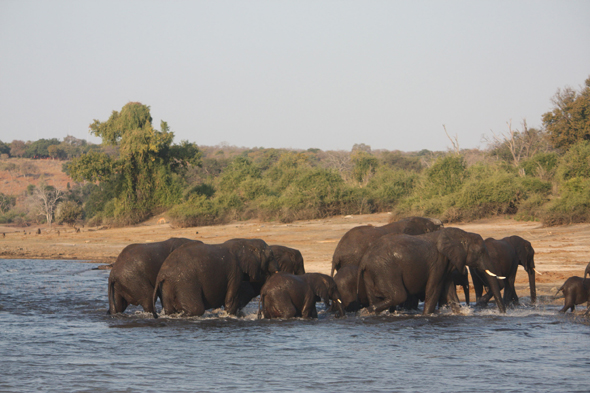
{"points": [[339, 305], [466, 291], [532, 285], [495, 288]]}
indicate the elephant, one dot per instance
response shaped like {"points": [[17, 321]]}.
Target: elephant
{"points": [[400, 265], [456, 278], [576, 291], [287, 296], [290, 260], [507, 254], [346, 281], [134, 273], [211, 271], [325, 289], [198, 277], [256, 259], [587, 271], [358, 240]]}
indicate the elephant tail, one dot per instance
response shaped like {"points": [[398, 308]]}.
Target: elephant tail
{"points": [[157, 293], [359, 277], [260, 305], [112, 307], [559, 290]]}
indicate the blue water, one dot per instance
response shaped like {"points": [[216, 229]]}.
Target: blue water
{"points": [[55, 336]]}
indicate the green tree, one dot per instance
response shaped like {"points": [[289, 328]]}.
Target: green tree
{"points": [[7, 202], [38, 149], [446, 175], [569, 122], [4, 148], [144, 176], [17, 148], [365, 166]]}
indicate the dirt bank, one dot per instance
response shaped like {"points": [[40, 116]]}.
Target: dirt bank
{"points": [[561, 252]]}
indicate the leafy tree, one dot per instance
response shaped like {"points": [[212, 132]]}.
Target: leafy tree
{"points": [[365, 166], [569, 122], [446, 175], [38, 149], [144, 176], [17, 148], [6, 202], [69, 212], [4, 148]]}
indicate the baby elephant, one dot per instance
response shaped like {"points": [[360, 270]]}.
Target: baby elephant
{"points": [[325, 289], [575, 291], [287, 296]]}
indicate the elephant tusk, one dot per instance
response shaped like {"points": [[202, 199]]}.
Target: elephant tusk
{"points": [[494, 275], [538, 272], [338, 300]]}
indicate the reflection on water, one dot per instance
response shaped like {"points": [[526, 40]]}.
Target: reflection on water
{"points": [[56, 336]]}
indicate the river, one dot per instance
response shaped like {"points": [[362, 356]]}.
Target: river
{"points": [[55, 336]]}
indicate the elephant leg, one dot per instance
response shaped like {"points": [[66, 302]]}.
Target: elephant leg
{"points": [[278, 305], [309, 310], [383, 305], [120, 303], [453, 298], [478, 287], [433, 291], [510, 296], [397, 296], [145, 298], [190, 300], [484, 300], [232, 302]]}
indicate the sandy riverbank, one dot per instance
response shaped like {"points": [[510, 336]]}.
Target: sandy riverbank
{"points": [[560, 252]]}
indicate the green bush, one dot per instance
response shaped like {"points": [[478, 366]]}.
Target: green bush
{"points": [[445, 176], [68, 212], [389, 186], [573, 206], [575, 162], [541, 164], [198, 211]]}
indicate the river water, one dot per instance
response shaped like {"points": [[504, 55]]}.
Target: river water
{"points": [[55, 336]]}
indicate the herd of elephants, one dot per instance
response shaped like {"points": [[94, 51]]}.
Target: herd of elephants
{"points": [[378, 267]]}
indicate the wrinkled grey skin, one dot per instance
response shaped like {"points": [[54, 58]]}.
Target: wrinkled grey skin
{"points": [[325, 289], [353, 299], [197, 277], [400, 265], [194, 279], [358, 240], [456, 278], [134, 273], [256, 259], [289, 259], [575, 291], [287, 296], [506, 255]]}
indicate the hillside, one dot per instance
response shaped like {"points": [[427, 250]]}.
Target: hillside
{"points": [[15, 179]]}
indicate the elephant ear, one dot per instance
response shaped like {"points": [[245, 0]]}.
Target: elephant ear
{"points": [[454, 248], [249, 261], [524, 252]]}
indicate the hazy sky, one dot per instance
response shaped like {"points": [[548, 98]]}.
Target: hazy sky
{"points": [[293, 74]]}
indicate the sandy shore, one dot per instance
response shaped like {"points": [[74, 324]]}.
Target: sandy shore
{"points": [[560, 252]]}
